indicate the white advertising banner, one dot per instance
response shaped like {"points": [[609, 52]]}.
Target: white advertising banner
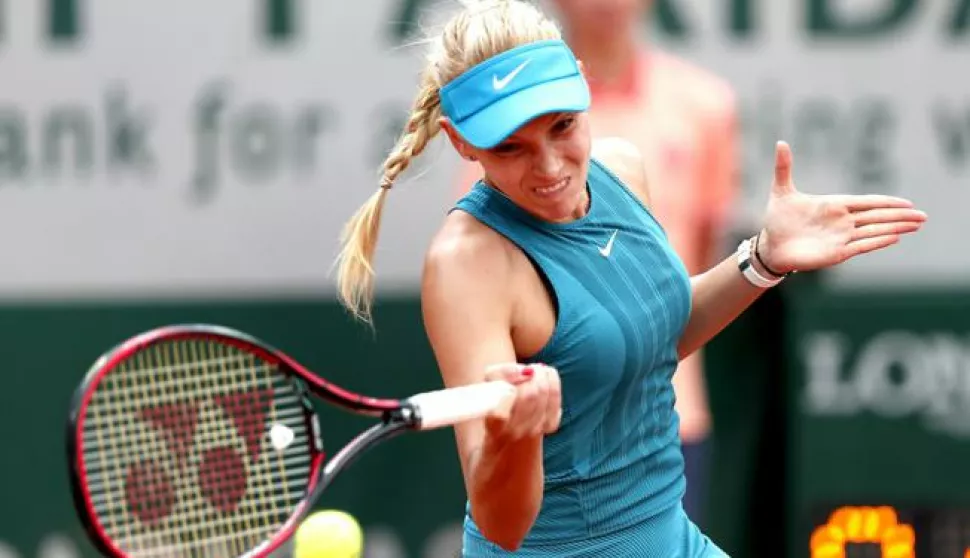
{"points": [[204, 148], [192, 148]]}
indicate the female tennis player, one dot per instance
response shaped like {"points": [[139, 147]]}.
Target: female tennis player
{"points": [[554, 257]]}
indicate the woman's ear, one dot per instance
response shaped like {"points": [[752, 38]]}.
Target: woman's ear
{"points": [[458, 142]]}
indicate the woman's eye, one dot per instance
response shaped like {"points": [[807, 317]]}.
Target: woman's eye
{"points": [[564, 124]]}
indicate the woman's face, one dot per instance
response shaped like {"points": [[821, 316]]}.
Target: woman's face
{"points": [[541, 167]]}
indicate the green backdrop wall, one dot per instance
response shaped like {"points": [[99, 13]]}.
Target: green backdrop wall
{"points": [[820, 400], [47, 348], [879, 411]]}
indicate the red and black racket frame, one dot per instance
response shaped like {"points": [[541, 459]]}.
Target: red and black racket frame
{"points": [[395, 417]]}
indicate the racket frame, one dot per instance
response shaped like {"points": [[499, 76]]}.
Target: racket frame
{"points": [[396, 416]]}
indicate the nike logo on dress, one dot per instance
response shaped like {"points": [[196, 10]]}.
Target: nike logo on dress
{"points": [[605, 250], [499, 84]]}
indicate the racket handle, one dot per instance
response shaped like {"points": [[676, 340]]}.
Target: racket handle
{"points": [[447, 407]]}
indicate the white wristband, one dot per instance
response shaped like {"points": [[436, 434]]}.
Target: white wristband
{"points": [[748, 270]]}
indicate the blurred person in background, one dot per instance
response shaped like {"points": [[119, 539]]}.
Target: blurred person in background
{"points": [[682, 119]]}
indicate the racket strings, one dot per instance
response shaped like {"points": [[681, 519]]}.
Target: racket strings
{"points": [[179, 456]]}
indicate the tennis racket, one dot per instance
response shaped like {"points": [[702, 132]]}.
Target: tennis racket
{"points": [[201, 441]]}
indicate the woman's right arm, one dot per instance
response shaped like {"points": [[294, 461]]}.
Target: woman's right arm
{"points": [[467, 306]]}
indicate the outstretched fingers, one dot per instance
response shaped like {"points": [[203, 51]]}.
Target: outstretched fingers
{"points": [[871, 201], [888, 215], [882, 229], [870, 244]]}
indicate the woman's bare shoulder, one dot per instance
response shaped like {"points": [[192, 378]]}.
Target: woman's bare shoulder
{"points": [[466, 255]]}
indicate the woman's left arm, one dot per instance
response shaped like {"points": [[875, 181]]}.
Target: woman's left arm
{"points": [[720, 295], [801, 232]]}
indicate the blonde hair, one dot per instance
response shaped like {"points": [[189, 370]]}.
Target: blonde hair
{"points": [[482, 30]]}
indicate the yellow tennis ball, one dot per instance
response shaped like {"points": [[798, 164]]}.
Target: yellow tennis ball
{"points": [[329, 534]]}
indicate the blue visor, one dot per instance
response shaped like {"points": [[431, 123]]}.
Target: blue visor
{"points": [[495, 98]]}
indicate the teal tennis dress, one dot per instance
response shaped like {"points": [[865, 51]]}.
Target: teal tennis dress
{"points": [[614, 472]]}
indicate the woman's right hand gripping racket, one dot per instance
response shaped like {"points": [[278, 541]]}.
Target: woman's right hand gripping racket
{"points": [[200, 441]]}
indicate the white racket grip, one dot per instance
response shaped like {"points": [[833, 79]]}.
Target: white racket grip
{"points": [[447, 407]]}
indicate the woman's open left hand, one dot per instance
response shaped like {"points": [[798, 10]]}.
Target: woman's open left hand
{"points": [[805, 232]]}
